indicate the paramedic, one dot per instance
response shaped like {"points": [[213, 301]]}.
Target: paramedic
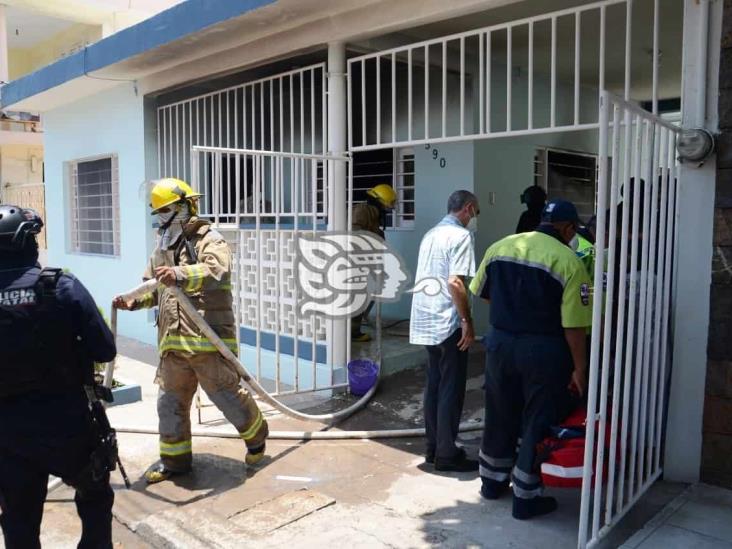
{"points": [[539, 293]]}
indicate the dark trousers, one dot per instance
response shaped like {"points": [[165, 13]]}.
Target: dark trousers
{"points": [[526, 378], [25, 464], [444, 395]]}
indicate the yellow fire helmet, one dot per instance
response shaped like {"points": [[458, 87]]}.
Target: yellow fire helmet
{"points": [[384, 194], [168, 191]]}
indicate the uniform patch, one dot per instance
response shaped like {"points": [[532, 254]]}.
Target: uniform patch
{"points": [[11, 298], [585, 294]]}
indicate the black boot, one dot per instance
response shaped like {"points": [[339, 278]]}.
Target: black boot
{"points": [[458, 464], [535, 507], [492, 489]]}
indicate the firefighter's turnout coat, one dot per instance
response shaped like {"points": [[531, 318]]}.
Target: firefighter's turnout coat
{"points": [[187, 357]]}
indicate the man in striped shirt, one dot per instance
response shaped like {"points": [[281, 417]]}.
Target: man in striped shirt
{"points": [[441, 321]]}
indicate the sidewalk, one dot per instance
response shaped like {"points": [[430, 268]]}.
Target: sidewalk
{"points": [[350, 493], [355, 493], [699, 518]]}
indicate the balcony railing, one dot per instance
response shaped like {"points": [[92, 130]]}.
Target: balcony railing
{"points": [[15, 121]]}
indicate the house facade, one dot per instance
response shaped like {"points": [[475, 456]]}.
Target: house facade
{"points": [[284, 112]]}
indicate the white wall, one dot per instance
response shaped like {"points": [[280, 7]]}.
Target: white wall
{"points": [[107, 123]]}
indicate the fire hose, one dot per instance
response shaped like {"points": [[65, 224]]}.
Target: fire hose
{"points": [[329, 419]]}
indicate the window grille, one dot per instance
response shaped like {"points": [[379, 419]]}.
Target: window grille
{"points": [[95, 206], [568, 175]]}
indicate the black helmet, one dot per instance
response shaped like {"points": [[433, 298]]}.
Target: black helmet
{"points": [[16, 226]]}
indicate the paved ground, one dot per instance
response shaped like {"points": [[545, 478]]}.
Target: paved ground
{"points": [[359, 493], [700, 517]]}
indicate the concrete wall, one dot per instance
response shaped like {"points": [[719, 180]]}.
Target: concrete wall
{"points": [[22, 61], [17, 166], [433, 185], [108, 123], [717, 427]]}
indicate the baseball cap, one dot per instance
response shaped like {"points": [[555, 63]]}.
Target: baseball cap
{"points": [[559, 210]]}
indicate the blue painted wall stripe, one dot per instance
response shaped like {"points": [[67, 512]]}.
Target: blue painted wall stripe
{"points": [[268, 341], [172, 24]]}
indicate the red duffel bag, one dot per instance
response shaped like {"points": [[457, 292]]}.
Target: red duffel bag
{"points": [[562, 454]]}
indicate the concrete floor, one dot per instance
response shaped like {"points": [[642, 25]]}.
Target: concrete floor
{"points": [[359, 493], [700, 517]]}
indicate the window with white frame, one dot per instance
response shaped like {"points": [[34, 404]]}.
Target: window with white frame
{"points": [[94, 193], [569, 175], [394, 167]]}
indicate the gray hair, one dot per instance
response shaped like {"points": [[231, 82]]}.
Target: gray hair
{"points": [[459, 199]]}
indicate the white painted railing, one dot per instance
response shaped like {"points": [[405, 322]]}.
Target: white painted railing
{"points": [[261, 203], [518, 78]]}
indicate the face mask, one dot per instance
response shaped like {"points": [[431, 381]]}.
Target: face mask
{"points": [[175, 220], [164, 219], [472, 225], [574, 243]]}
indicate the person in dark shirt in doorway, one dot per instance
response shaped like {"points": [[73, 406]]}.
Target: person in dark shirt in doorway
{"points": [[535, 198]]}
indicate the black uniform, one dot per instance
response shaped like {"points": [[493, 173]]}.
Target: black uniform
{"points": [[49, 341]]}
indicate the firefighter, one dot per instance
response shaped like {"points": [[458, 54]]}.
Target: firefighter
{"points": [[192, 255], [370, 216], [539, 293], [51, 333]]}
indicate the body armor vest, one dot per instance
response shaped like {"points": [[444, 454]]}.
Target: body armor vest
{"points": [[37, 339]]}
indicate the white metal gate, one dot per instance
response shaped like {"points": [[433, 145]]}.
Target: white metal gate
{"points": [[630, 359], [261, 201]]}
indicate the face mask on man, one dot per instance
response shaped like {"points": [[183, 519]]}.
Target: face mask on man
{"points": [[171, 225], [573, 243], [472, 225], [165, 218]]}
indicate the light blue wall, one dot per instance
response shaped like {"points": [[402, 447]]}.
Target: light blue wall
{"points": [[433, 185], [111, 122]]}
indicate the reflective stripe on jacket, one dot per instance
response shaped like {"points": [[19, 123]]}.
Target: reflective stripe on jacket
{"points": [[207, 282]]}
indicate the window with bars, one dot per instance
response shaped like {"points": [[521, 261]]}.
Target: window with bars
{"points": [[568, 175], [94, 196], [394, 167]]}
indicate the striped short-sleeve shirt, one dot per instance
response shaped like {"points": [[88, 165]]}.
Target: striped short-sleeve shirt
{"points": [[446, 250]]}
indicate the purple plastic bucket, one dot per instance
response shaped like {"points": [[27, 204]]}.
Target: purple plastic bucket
{"points": [[362, 375]]}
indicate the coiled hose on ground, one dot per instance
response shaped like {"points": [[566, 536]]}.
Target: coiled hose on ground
{"points": [[328, 419]]}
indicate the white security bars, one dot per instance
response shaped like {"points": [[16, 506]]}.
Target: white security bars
{"points": [[261, 200], [286, 112], [630, 358], [541, 74]]}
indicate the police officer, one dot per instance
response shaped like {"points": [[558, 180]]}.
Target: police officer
{"points": [[539, 293], [51, 332]]}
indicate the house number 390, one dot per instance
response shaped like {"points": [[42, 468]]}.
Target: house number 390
{"points": [[436, 155]]}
